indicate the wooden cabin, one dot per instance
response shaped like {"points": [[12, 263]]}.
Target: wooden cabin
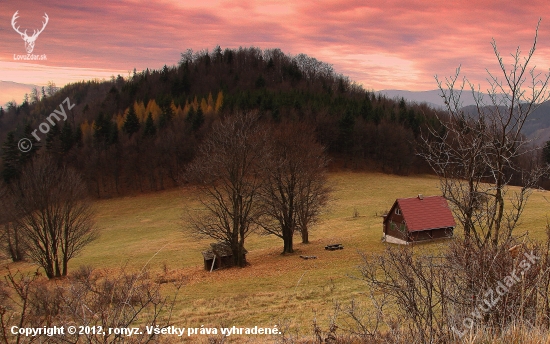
{"points": [[418, 219], [218, 256]]}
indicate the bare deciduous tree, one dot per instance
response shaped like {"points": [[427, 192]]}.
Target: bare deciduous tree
{"points": [[93, 301], [53, 214], [314, 196], [11, 239], [476, 154], [228, 169], [295, 188], [466, 284]]}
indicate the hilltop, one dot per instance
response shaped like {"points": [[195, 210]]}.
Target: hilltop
{"points": [[170, 111]]}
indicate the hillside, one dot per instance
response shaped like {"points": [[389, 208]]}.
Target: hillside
{"points": [[176, 106], [537, 127]]}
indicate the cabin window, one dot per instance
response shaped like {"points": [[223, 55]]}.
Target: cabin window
{"points": [[397, 211], [402, 227]]}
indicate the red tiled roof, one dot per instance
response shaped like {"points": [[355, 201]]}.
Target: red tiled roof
{"points": [[427, 213]]}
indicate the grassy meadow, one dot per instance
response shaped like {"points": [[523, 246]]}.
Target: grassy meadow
{"points": [[147, 231]]}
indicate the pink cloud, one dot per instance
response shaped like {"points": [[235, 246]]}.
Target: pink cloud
{"points": [[391, 44]]}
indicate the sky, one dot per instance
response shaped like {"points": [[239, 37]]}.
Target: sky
{"points": [[378, 44]]}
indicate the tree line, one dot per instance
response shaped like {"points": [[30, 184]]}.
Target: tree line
{"points": [[134, 134]]}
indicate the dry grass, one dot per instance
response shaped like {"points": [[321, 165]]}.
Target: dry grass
{"points": [[146, 231]]}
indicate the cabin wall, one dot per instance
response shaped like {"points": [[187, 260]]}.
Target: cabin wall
{"points": [[399, 230], [397, 218], [395, 232]]}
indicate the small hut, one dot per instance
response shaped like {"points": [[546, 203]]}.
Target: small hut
{"points": [[219, 256], [418, 219]]}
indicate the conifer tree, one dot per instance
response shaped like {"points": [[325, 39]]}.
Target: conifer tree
{"points": [[166, 115], [366, 108], [67, 137], [113, 134], [35, 145], [10, 158], [78, 136], [52, 139], [198, 120], [190, 116], [131, 123], [105, 132], [150, 129], [101, 128], [346, 124]]}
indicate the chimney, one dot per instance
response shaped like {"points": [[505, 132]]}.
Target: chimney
{"points": [[420, 197]]}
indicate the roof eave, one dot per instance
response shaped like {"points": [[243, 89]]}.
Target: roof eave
{"points": [[429, 229]]}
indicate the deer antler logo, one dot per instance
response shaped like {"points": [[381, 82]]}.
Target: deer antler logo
{"points": [[29, 40]]}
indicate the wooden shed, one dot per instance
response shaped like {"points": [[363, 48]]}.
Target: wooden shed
{"points": [[418, 219], [218, 256]]}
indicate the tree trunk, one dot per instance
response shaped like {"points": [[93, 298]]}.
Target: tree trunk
{"points": [[48, 268], [305, 236], [57, 267], [235, 251], [239, 258], [287, 239], [65, 252], [14, 244], [65, 267]]}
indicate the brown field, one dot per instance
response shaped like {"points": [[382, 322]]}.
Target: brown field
{"points": [[147, 232]]}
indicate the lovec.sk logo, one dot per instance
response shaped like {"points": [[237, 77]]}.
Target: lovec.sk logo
{"points": [[29, 40]]}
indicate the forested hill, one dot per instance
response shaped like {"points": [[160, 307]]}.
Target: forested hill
{"points": [[137, 134]]}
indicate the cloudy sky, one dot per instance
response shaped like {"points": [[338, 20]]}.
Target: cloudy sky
{"points": [[379, 44]]}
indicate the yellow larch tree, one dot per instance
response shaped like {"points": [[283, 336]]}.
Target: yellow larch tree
{"points": [[154, 109], [204, 106], [140, 111], [87, 131], [119, 119], [219, 102], [210, 103]]}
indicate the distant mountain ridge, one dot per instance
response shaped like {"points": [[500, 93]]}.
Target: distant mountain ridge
{"points": [[433, 97], [537, 127], [10, 90]]}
